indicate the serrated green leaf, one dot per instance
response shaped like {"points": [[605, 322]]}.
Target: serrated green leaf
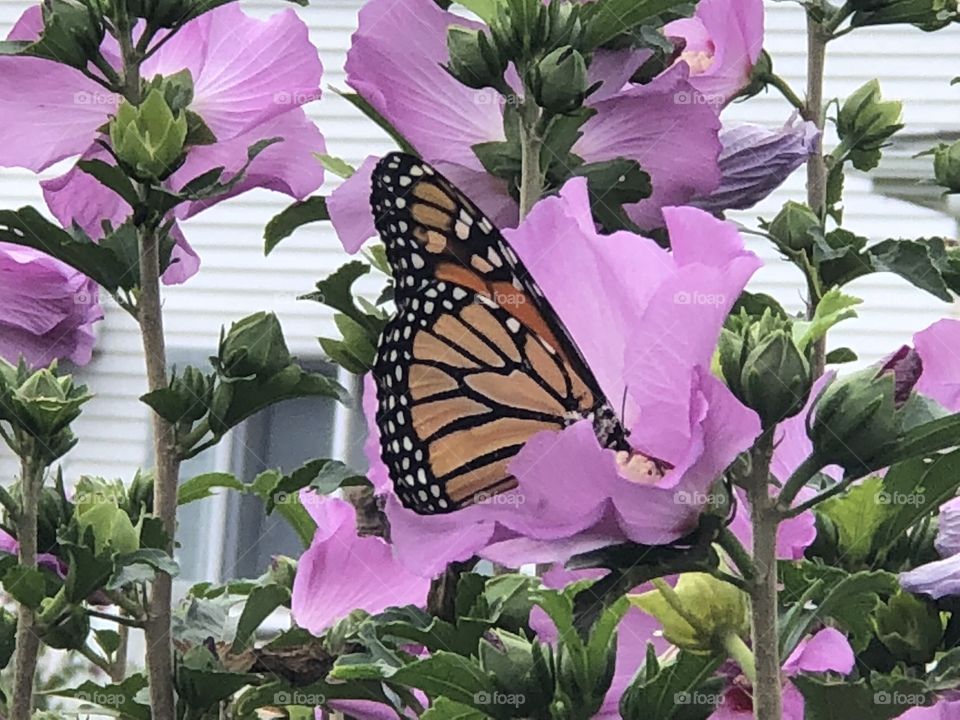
{"points": [[118, 697], [26, 585], [339, 167], [606, 19], [261, 602], [912, 261], [858, 515], [834, 307]]}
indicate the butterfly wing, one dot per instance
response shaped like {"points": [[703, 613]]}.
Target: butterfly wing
{"points": [[475, 361]]}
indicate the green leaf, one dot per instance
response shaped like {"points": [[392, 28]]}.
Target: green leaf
{"points": [[913, 490], [112, 177], [26, 585], [684, 689], [261, 602], [445, 709], [322, 475], [822, 592], [922, 440], [452, 676], [29, 228], [199, 487], [118, 698], [912, 261], [486, 10], [834, 307], [340, 168], [840, 356], [108, 640], [367, 109], [157, 559], [336, 291], [858, 515], [313, 209], [605, 19], [291, 509]]}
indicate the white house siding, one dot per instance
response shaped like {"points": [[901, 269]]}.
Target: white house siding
{"points": [[236, 279]]}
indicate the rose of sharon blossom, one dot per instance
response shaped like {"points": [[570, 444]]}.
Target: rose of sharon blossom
{"points": [[47, 309], [662, 314], [250, 79], [674, 141], [341, 572], [722, 43]]}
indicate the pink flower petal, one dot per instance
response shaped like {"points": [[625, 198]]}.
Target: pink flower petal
{"points": [[826, 651], [288, 167], [349, 207], [395, 61], [245, 71], [937, 346], [676, 143], [341, 572]]}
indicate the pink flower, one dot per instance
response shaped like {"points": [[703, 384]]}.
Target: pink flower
{"points": [[10, 546], [826, 651], [937, 347], [723, 42], [250, 79], [341, 572], [941, 710], [662, 314], [47, 309], [663, 125]]}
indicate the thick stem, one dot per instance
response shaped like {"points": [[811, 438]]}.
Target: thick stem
{"points": [[159, 652], [118, 668], [737, 649], [28, 643], [763, 596], [817, 37], [801, 476], [531, 175]]}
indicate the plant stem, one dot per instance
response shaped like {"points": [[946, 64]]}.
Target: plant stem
{"points": [[159, 652], [737, 649], [95, 658], [531, 175], [783, 86], [817, 37], [763, 596], [797, 481], [676, 604], [738, 553], [28, 643]]}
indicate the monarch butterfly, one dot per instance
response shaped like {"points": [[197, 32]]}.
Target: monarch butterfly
{"points": [[475, 361]]}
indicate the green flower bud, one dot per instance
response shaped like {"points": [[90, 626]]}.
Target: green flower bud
{"points": [[775, 380], [795, 226], [865, 121], [560, 81], [72, 32], [759, 75], [112, 530], [946, 166], [909, 627], [717, 609], [254, 347], [162, 13], [474, 60], [563, 25], [52, 514], [41, 405], [149, 138], [69, 631], [858, 414]]}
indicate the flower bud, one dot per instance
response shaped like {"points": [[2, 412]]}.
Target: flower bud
{"points": [[946, 166], [560, 81], [719, 609], [865, 121], [72, 32], [254, 347], [795, 226], [759, 75], [162, 13], [112, 530], [775, 380], [474, 60], [140, 496], [149, 138], [860, 413]]}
